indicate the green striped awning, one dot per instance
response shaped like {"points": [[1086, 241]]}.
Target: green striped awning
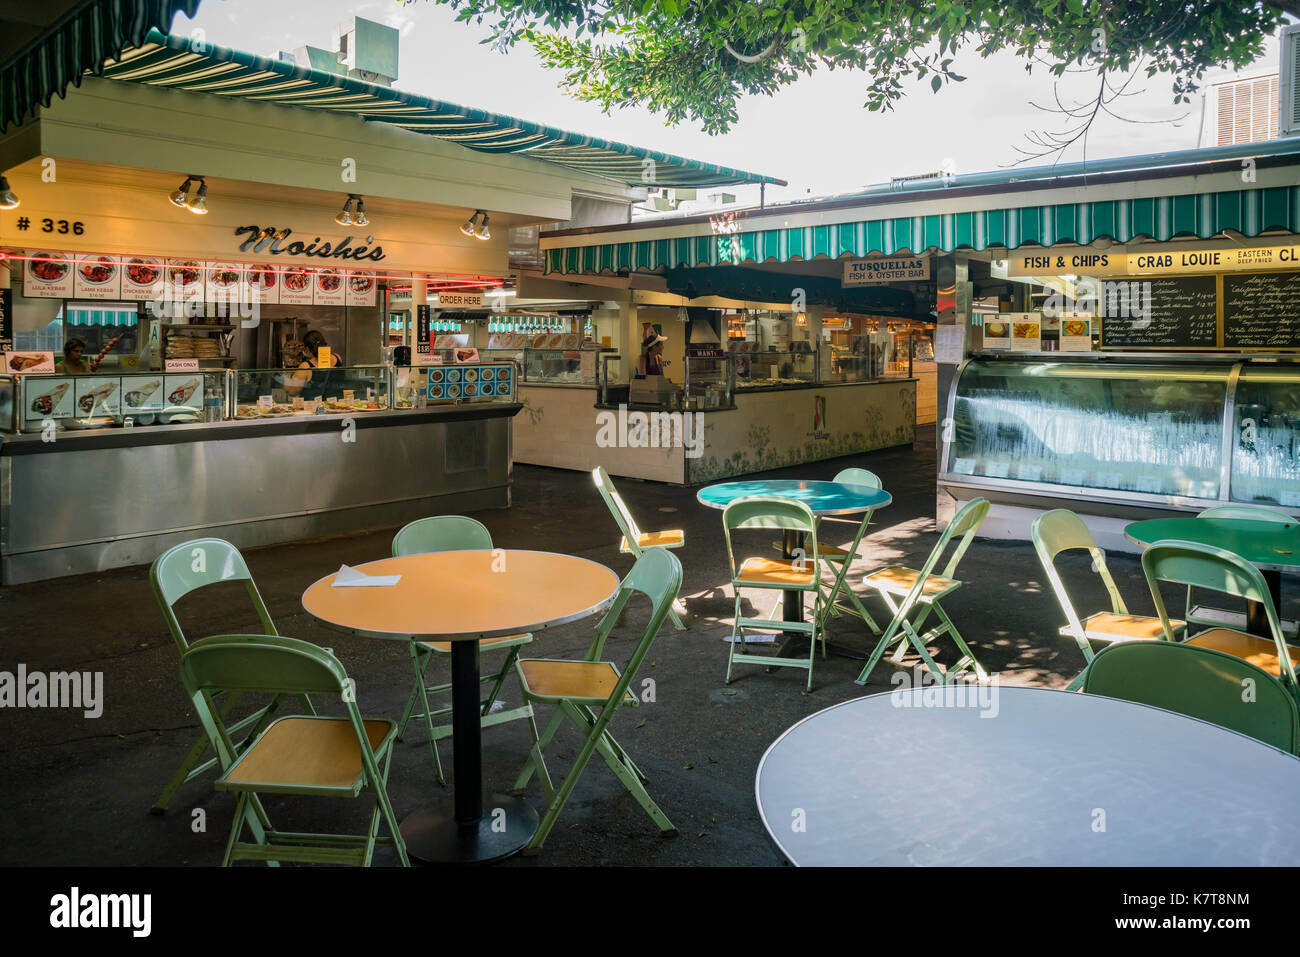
{"points": [[179, 64], [1202, 215], [79, 42]]}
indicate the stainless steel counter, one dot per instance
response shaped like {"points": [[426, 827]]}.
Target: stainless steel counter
{"points": [[113, 497]]}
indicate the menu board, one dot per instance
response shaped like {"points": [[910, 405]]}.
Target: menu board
{"points": [[185, 282], [296, 286], [52, 398], [6, 319], [143, 393], [183, 390], [97, 277], [1183, 313], [225, 283], [48, 275], [362, 289], [1262, 311], [328, 288], [98, 395], [142, 279], [263, 284]]}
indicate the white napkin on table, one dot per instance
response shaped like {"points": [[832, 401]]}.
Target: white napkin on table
{"points": [[349, 577]]}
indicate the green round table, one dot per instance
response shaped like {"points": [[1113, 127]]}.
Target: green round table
{"points": [[1273, 547]]}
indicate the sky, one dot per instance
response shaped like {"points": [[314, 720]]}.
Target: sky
{"points": [[815, 133]]}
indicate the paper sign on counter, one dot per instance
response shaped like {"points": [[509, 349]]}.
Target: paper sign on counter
{"points": [[349, 577]]}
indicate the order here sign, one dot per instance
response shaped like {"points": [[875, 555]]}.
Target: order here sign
{"points": [[867, 272]]}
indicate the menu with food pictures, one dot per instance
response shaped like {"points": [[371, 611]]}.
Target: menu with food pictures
{"points": [[1076, 333], [29, 363], [328, 288], [143, 278], [97, 277], [53, 398], [361, 289], [296, 286], [183, 390], [997, 332], [1026, 332], [142, 393], [185, 280], [101, 396], [263, 284], [48, 275], [225, 282]]}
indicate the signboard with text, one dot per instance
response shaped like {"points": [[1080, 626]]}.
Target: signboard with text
{"points": [[868, 272]]}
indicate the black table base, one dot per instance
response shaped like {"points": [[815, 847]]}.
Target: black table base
{"points": [[1256, 618], [468, 836]]}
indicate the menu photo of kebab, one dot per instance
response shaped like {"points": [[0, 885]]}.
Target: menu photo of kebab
{"points": [[296, 282], [264, 284], [139, 398], [329, 288], [185, 278], [48, 274], [29, 362], [142, 278], [50, 402], [181, 391], [92, 396]]}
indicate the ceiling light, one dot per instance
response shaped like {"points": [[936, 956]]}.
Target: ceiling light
{"points": [[180, 197], [470, 227], [483, 232], [199, 204], [359, 219], [344, 217], [7, 199]]}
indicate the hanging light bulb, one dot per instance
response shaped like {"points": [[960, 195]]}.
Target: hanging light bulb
{"points": [[482, 232], [359, 218], [199, 204], [7, 199], [344, 216], [470, 226], [180, 197]]}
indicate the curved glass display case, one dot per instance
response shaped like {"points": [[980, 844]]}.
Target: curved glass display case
{"points": [[1266, 444], [769, 370], [267, 393], [1153, 432]]}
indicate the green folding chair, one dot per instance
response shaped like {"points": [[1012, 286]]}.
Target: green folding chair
{"points": [[837, 560], [1200, 683], [635, 542], [305, 755], [1061, 530], [799, 574], [174, 574], [1216, 569], [1211, 617], [577, 687], [452, 533], [922, 590]]}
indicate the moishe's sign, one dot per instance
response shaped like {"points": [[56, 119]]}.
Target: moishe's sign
{"points": [[275, 242]]}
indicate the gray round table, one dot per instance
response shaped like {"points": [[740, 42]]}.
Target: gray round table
{"points": [[1050, 778]]}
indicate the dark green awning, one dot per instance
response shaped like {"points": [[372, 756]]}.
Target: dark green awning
{"points": [[176, 63], [80, 42]]}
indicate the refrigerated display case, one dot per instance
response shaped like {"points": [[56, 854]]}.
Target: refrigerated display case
{"points": [[775, 370], [1150, 431], [263, 393]]}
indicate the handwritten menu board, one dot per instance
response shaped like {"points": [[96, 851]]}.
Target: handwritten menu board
{"points": [[1183, 314], [1262, 311]]}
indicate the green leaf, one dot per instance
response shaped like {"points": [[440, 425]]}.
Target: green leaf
{"points": [[936, 83]]}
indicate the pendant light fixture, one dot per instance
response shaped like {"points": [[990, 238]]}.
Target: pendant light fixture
{"points": [[7, 199], [180, 197], [344, 217], [471, 227], [359, 217], [347, 217]]}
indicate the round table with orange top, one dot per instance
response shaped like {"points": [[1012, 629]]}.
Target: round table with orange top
{"points": [[462, 597]]}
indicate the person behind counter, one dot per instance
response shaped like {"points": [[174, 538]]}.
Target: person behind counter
{"points": [[72, 363], [305, 383], [652, 355]]}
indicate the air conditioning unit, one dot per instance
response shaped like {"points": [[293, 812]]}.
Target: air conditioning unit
{"points": [[1288, 88]]}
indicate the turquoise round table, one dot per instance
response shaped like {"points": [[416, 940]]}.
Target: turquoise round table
{"points": [[822, 498], [1273, 547]]}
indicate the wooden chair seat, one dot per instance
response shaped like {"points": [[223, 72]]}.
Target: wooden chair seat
{"points": [[1108, 626], [897, 580], [776, 572], [669, 538], [505, 641], [584, 681], [1260, 652], [306, 753]]}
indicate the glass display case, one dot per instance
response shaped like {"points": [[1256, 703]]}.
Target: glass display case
{"points": [[766, 370], [868, 356], [1153, 431], [104, 401], [710, 381], [1266, 443], [568, 367], [271, 393]]}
